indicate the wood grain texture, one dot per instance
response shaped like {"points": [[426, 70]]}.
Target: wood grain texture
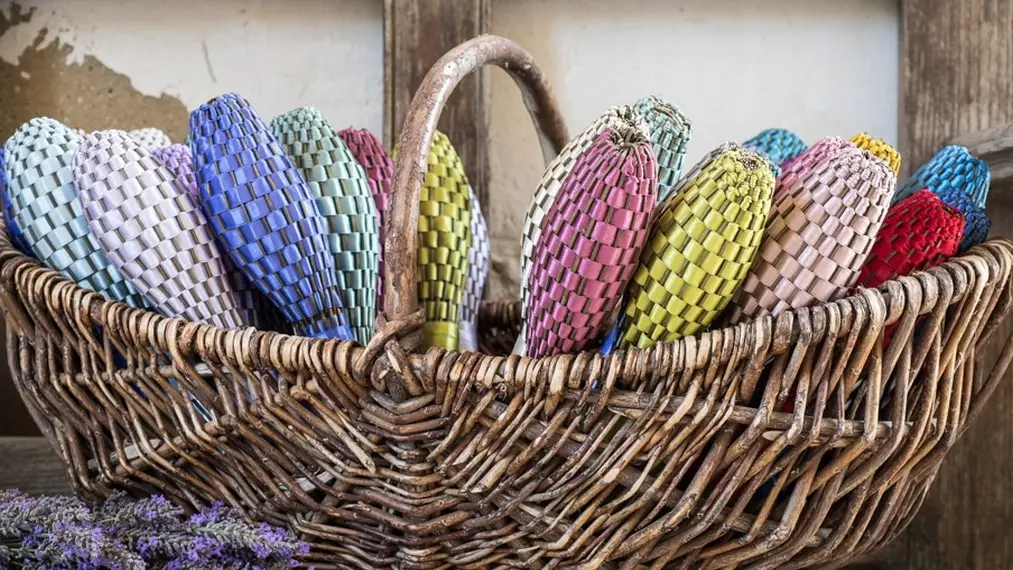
{"points": [[994, 146], [957, 79], [416, 34], [30, 464]]}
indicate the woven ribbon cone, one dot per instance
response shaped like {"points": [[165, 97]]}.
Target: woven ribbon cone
{"points": [[977, 221], [952, 170], [478, 273], [880, 148], [13, 229], [620, 118], [151, 138], [445, 238], [152, 230], [918, 233], [344, 199], [701, 245], [802, 165], [670, 133], [594, 232], [179, 161], [370, 154], [778, 145], [265, 216], [821, 230], [960, 180], [46, 207]]}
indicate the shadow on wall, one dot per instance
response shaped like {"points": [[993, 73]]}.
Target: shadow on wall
{"points": [[87, 95]]}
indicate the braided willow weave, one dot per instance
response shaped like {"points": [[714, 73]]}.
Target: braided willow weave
{"points": [[918, 233], [622, 118], [951, 171], [384, 457], [670, 131], [151, 138], [445, 213], [778, 145], [587, 252], [265, 216], [478, 273], [347, 205], [152, 230], [701, 245], [13, 230], [40, 184], [179, 162], [821, 229], [879, 148], [370, 154]]}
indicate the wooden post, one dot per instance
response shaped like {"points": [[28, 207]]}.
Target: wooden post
{"points": [[416, 34], [957, 79]]}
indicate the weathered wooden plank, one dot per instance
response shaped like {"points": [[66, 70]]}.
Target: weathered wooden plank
{"points": [[994, 146], [416, 34], [30, 464], [956, 79]]}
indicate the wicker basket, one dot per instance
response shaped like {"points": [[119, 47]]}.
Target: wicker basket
{"points": [[385, 458]]}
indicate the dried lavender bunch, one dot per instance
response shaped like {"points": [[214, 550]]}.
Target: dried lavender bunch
{"points": [[64, 533]]}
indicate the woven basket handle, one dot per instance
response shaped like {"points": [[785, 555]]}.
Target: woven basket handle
{"points": [[417, 135]]}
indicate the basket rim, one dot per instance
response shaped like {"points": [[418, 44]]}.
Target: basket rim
{"points": [[986, 264]]}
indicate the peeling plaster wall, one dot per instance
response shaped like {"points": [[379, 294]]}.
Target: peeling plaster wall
{"points": [[97, 64], [819, 67], [132, 63]]}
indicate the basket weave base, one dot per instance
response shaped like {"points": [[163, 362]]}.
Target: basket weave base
{"points": [[502, 460]]}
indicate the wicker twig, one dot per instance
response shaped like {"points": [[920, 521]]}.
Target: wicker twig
{"points": [[478, 273], [822, 226], [594, 231], [251, 302], [701, 246], [265, 216], [370, 154], [152, 230], [151, 138], [347, 205], [46, 208], [670, 131]]}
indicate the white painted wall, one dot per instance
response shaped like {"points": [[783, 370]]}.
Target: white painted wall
{"points": [[280, 54], [819, 67]]}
